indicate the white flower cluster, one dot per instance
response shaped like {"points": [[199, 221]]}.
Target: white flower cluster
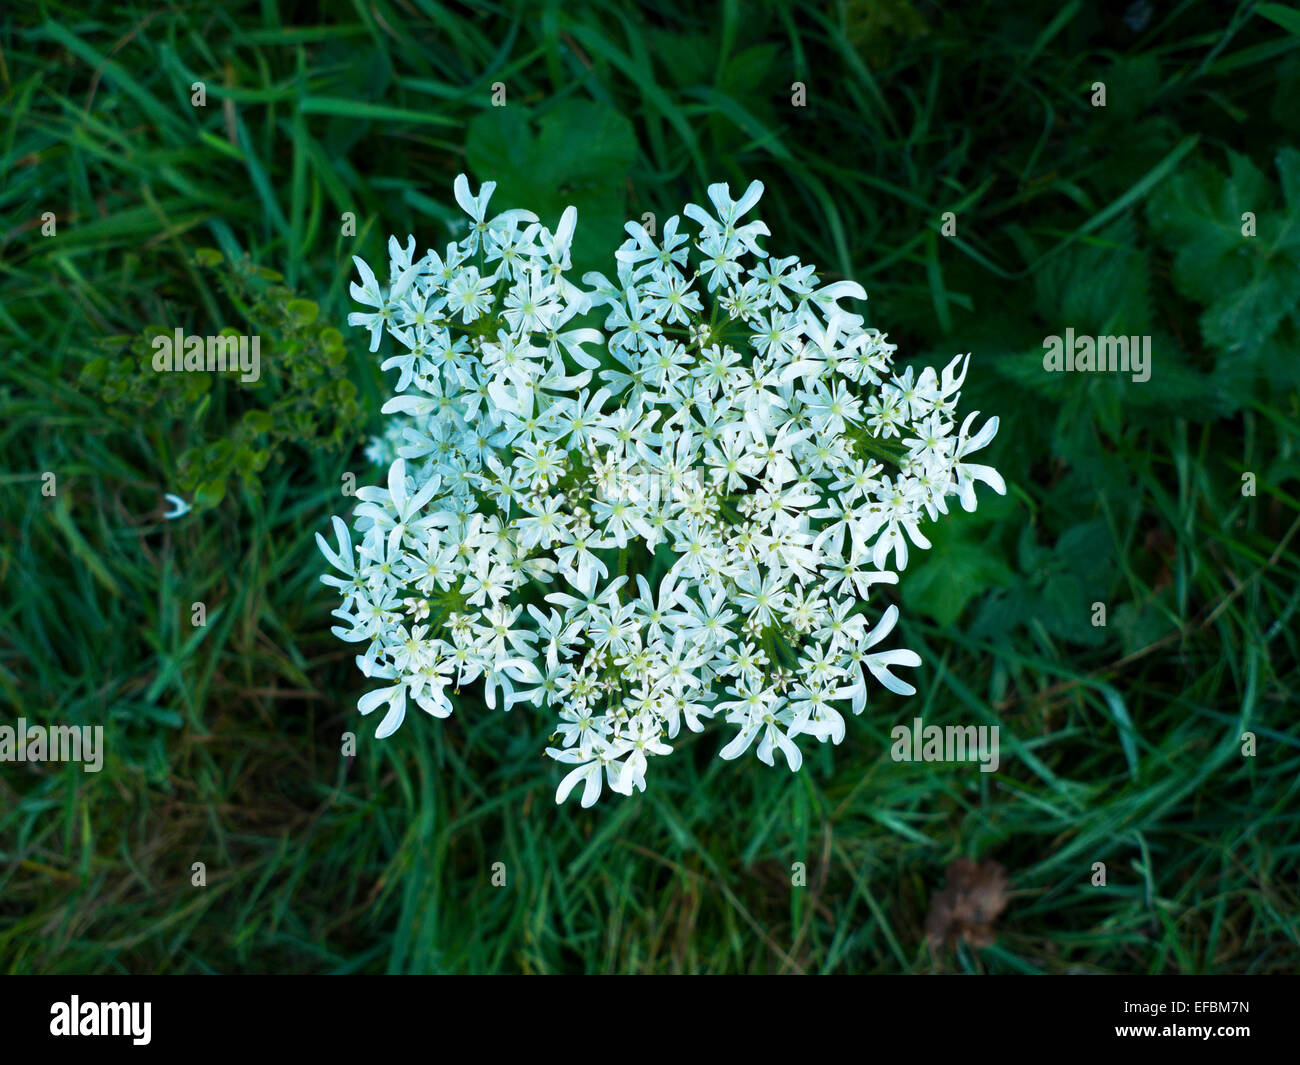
{"points": [[677, 519]]}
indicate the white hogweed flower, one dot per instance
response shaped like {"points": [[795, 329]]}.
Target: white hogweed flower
{"points": [[660, 500]]}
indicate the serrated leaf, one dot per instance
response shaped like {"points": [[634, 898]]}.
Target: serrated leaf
{"points": [[1100, 286], [1287, 162], [958, 567], [1250, 285], [1246, 317]]}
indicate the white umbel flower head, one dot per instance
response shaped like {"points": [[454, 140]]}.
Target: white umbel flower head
{"points": [[661, 500]]}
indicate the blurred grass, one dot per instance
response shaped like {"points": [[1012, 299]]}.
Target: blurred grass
{"points": [[1119, 744]]}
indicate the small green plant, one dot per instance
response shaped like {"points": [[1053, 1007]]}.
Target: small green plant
{"points": [[1235, 244], [303, 398]]}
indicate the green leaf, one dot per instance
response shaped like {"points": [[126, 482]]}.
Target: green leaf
{"points": [[1286, 17], [258, 420], [1100, 285], [959, 566], [1288, 169], [210, 493], [1250, 285], [580, 155], [1244, 318], [1124, 723], [302, 312], [1191, 216]]}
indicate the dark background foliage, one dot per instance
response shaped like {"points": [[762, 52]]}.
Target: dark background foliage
{"points": [[1121, 743]]}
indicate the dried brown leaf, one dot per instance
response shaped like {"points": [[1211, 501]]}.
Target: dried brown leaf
{"points": [[966, 909]]}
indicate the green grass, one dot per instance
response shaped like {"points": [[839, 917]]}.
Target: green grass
{"points": [[1120, 744]]}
